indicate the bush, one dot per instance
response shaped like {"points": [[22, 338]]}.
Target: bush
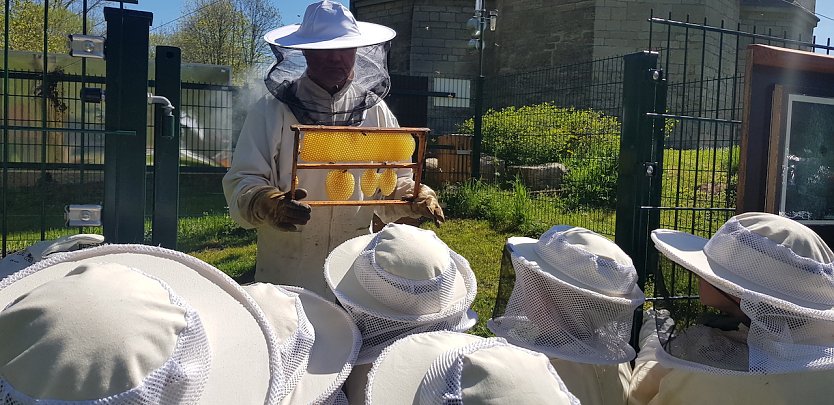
{"points": [[591, 180], [506, 211], [540, 133]]}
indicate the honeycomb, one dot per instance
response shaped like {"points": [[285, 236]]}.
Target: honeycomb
{"points": [[339, 185], [388, 182], [356, 147], [369, 182]]}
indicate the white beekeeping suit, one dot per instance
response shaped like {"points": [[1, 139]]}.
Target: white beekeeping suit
{"points": [[293, 239], [774, 279]]}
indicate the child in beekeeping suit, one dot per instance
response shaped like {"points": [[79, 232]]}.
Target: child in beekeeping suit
{"points": [[772, 278], [330, 70]]}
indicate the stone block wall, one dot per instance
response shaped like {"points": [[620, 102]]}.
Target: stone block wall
{"points": [[537, 34], [431, 35]]}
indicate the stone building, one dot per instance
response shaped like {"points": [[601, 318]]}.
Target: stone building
{"points": [[533, 34]]}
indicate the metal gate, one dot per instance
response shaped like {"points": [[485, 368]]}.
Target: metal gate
{"points": [[683, 107]]}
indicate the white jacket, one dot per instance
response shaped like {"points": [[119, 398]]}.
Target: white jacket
{"points": [[263, 158]]}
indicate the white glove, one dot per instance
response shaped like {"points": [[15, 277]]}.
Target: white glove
{"points": [[24, 258]]}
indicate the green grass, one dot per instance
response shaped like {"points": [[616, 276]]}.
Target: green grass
{"points": [[481, 245], [216, 240]]}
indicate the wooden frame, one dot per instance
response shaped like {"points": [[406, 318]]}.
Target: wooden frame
{"points": [[772, 74], [421, 135], [791, 112]]}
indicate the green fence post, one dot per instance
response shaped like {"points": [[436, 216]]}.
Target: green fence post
{"points": [[478, 127], [641, 154], [166, 148], [126, 48]]}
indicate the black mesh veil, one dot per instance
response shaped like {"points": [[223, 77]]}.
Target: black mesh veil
{"points": [[369, 85]]}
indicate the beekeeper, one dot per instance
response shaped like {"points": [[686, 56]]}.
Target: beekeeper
{"points": [[330, 70], [772, 278]]}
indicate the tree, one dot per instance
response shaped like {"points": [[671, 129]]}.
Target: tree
{"points": [[226, 32], [26, 23], [262, 16]]}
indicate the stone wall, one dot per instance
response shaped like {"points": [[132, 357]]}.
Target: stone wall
{"points": [[396, 15], [537, 34], [431, 35]]}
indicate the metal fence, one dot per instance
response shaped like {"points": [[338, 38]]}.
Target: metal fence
{"points": [[553, 131], [704, 67], [54, 151]]}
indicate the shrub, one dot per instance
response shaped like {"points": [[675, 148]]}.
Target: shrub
{"points": [[591, 180], [540, 133], [506, 211]]}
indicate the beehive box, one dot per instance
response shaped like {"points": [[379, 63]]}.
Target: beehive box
{"points": [[380, 151]]}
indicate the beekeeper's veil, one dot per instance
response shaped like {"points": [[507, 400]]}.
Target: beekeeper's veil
{"points": [[329, 25]]}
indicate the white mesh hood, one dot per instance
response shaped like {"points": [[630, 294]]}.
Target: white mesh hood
{"points": [[549, 315], [371, 82], [786, 296]]}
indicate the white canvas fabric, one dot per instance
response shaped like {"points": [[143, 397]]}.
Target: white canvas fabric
{"points": [[452, 368], [330, 356], [23, 258], [329, 25], [133, 324], [784, 276], [399, 281], [574, 297]]}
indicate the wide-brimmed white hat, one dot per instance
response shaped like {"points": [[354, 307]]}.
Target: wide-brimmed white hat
{"points": [[783, 274], [573, 298], [134, 324], [448, 367], [759, 253], [398, 281], [330, 358], [329, 25]]}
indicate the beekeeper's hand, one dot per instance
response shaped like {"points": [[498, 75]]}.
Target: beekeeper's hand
{"points": [[276, 208], [426, 204]]}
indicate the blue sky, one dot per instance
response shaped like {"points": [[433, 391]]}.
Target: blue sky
{"points": [[167, 10], [292, 10]]}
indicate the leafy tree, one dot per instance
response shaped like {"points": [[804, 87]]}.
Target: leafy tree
{"points": [[261, 17], [26, 25], [226, 32]]}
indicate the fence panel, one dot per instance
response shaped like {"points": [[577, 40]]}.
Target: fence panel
{"points": [[704, 65], [55, 154]]}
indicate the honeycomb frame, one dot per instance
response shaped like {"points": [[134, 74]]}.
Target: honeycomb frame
{"points": [[420, 136]]}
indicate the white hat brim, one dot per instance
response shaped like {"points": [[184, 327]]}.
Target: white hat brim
{"points": [[334, 350], [688, 251], [526, 249], [370, 34], [235, 326], [396, 375], [339, 275]]}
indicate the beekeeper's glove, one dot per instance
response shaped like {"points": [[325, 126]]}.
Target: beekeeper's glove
{"points": [[426, 204], [43, 249], [657, 325], [275, 207]]}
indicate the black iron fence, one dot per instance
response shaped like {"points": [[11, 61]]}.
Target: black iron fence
{"points": [[53, 146], [704, 67]]}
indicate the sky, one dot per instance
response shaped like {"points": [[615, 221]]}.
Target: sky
{"points": [[166, 11], [825, 28]]}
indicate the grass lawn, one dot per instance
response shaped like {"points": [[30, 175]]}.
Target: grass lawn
{"points": [[216, 240]]}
